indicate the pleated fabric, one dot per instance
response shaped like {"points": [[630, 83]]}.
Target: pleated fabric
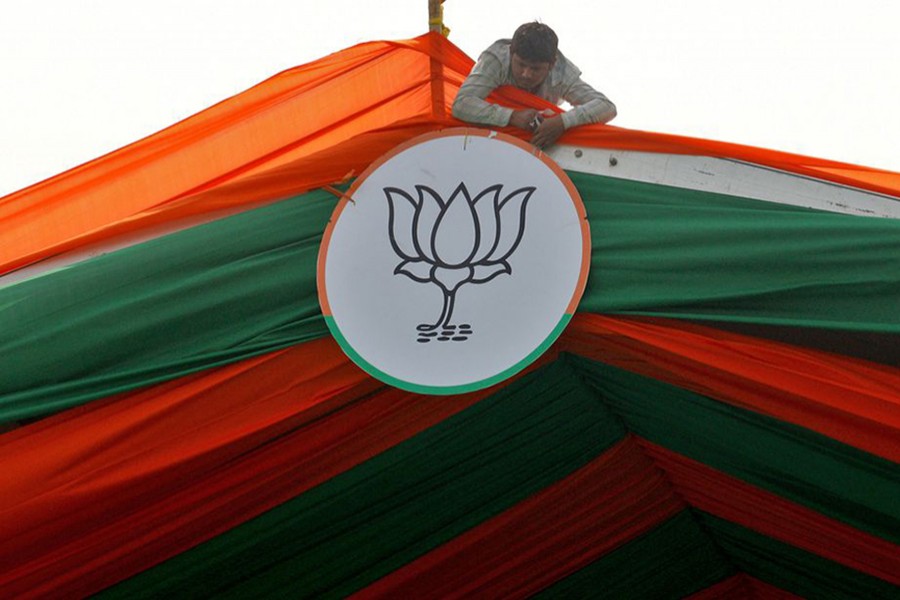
{"points": [[177, 421]]}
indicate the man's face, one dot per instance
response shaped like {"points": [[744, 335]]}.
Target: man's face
{"points": [[527, 74]]}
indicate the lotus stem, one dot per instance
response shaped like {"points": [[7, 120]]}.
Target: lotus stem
{"points": [[446, 313], [449, 301]]}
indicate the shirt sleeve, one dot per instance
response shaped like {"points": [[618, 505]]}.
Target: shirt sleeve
{"points": [[590, 106], [470, 104]]}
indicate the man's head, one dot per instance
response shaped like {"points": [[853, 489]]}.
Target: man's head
{"points": [[533, 54]]}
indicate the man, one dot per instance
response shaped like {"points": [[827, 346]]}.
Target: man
{"points": [[532, 62]]}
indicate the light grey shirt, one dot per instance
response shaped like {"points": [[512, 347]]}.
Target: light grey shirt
{"points": [[562, 83]]}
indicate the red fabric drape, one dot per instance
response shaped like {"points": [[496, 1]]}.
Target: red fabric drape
{"points": [[850, 400], [731, 499], [613, 499], [742, 587], [130, 456], [134, 480]]}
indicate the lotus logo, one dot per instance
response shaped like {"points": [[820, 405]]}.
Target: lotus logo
{"points": [[453, 242], [428, 277]]}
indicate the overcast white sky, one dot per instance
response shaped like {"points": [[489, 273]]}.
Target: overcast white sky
{"points": [[815, 77]]}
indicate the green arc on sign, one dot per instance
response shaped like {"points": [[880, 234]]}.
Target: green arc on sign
{"points": [[451, 389]]}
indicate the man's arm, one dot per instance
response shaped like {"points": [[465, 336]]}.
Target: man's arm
{"points": [[590, 106]]}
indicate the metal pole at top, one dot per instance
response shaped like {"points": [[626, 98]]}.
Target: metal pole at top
{"points": [[436, 17], [436, 24]]}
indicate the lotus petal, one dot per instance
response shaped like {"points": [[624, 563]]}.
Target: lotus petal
{"points": [[456, 234], [417, 270], [484, 273], [487, 212], [428, 210], [401, 213], [512, 223]]}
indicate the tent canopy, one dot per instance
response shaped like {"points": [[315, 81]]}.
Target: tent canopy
{"points": [[179, 421]]}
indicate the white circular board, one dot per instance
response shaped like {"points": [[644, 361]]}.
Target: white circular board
{"points": [[454, 261]]}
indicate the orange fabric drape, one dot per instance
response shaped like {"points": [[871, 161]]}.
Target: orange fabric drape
{"points": [[849, 400], [279, 132], [138, 478], [117, 475], [289, 116], [330, 166], [114, 473], [109, 472]]}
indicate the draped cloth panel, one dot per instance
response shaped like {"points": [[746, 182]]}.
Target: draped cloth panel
{"points": [[126, 479], [264, 127], [612, 500], [730, 499], [271, 463], [358, 97], [245, 285], [849, 400]]}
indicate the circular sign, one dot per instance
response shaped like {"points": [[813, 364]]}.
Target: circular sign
{"points": [[454, 261]]}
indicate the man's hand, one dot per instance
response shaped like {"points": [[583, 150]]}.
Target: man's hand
{"points": [[548, 131], [526, 119]]}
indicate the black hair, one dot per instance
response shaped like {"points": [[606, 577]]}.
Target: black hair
{"points": [[535, 42]]}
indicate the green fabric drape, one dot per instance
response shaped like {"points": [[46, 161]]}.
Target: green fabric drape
{"points": [[195, 299], [375, 518], [695, 550], [674, 252], [837, 480], [792, 569], [439, 484], [674, 560], [245, 285]]}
